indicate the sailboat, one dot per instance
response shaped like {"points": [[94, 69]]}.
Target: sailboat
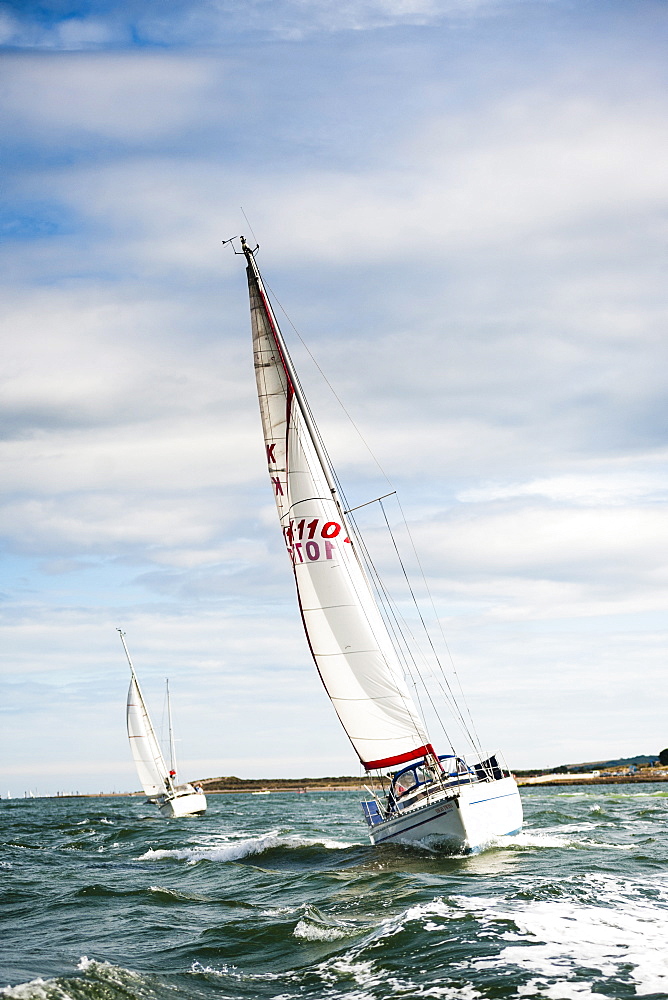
{"points": [[157, 779], [423, 796]]}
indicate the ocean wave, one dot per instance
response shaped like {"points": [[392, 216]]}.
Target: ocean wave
{"points": [[621, 936], [234, 850], [551, 838], [533, 838], [314, 926], [371, 978], [208, 970], [566, 948], [36, 989], [98, 979]]}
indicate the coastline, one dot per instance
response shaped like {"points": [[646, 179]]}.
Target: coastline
{"points": [[546, 780], [257, 786]]}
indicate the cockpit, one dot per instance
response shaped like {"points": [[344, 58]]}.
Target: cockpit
{"points": [[413, 782]]}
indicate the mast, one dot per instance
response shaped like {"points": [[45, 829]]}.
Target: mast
{"points": [[127, 653], [172, 746]]}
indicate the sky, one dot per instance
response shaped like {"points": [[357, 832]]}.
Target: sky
{"points": [[462, 209]]}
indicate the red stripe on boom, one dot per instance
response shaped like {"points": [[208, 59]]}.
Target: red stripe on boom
{"points": [[401, 758]]}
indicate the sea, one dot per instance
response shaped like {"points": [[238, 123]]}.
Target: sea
{"points": [[282, 897]]}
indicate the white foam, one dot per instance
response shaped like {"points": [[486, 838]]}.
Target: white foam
{"points": [[567, 946], [533, 838], [36, 989], [558, 938], [315, 927], [228, 849], [370, 979], [208, 970], [231, 972], [51, 989], [308, 931], [548, 837]]}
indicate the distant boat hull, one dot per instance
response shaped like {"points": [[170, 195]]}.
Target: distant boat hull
{"points": [[462, 819], [187, 803]]}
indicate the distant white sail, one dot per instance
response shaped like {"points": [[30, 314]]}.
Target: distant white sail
{"points": [[346, 633], [151, 767]]}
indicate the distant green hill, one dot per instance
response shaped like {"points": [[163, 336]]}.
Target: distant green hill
{"points": [[234, 784], [641, 760]]}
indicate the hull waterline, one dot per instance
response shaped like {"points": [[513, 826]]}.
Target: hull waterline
{"points": [[464, 819], [187, 804]]}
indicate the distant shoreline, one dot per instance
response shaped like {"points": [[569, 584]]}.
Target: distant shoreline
{"points": [[542, 781], [254, 786]]}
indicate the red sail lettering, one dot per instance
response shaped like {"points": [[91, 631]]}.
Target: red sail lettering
{"points": [[270, 453], [277, 485]]}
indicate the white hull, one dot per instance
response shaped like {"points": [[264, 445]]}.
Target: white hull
{"points": [[462, 819], [183, 804]]}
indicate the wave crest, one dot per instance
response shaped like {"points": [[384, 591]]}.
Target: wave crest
{"points": [[234, 850]]}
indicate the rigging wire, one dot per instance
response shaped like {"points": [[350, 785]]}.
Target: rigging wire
{"points": [[426, 631], [440, 628], [249, 225], [471, 733], [331, 388], [393, 621], [390, 611]]}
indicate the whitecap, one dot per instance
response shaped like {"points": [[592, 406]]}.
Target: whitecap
{"points": [[308, 931], [52, 989], [368, 976], [314, 926], [225, 970], [550, 838], [233, 850], [36, 989], [560, 938], [532, 838]]}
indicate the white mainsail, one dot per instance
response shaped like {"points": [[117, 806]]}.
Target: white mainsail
{"points": [[149, 761], [348, 638]]}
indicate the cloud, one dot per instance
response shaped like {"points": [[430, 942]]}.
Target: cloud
{"points": [[118, 97], [188, 22], [466, 228]]}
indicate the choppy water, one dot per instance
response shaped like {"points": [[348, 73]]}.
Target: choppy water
{"points": [[282, 897]]}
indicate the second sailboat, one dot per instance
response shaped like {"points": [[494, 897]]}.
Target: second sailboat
{"points": [[157, 779]]}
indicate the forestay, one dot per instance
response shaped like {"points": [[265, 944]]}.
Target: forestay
{"points": [[146, 752], [347, 636]]}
